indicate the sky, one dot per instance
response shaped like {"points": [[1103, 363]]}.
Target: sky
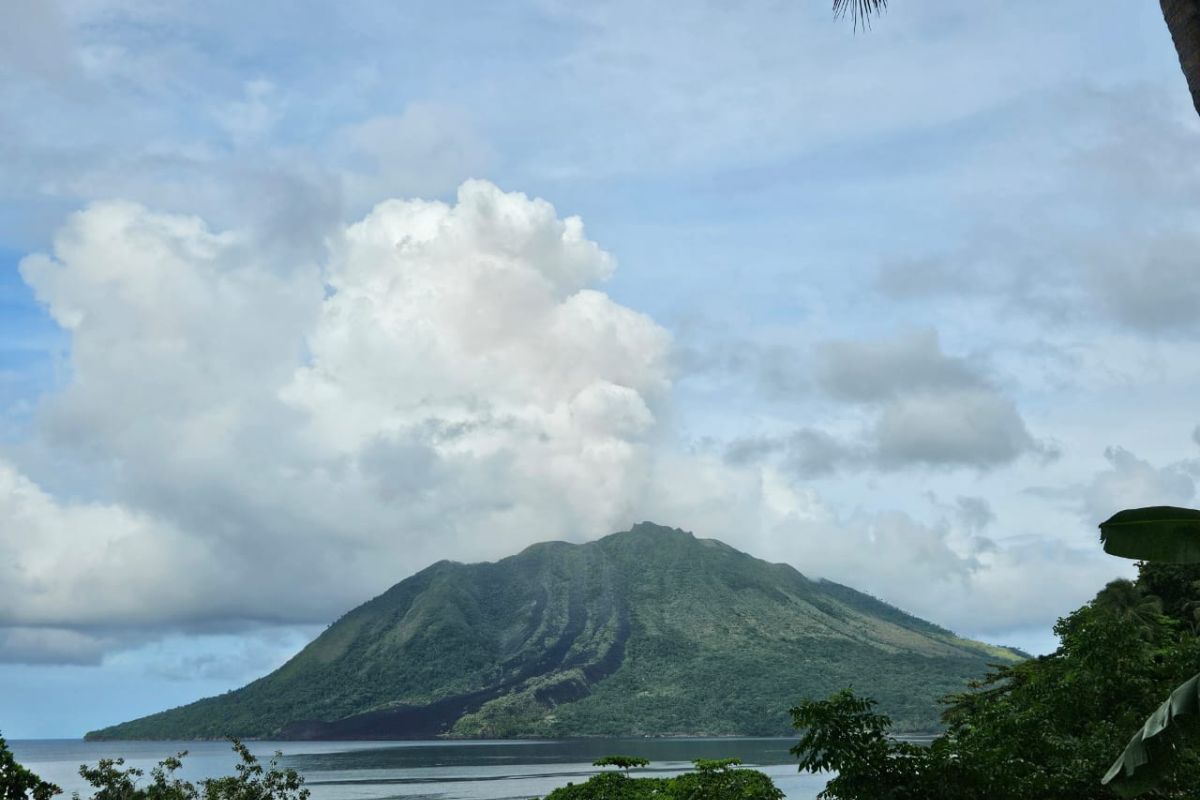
{"points": [[299, 298]]}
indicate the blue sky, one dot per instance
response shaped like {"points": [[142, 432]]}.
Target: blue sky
{"points": [[296, 299]]}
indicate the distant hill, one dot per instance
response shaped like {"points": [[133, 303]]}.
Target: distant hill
{"points": [[646, 632]]}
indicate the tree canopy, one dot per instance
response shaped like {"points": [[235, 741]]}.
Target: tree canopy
{"points": [[713, 779], [1047, 727], [18, 783], [624, 762]]}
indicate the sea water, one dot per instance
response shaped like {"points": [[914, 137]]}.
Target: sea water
{"points": [[435, 770]]}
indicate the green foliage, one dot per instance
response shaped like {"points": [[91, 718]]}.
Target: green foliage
{"points": [[18, 783], [1150, 754], [1043, 728], [624, 762], [613, 786], [860, 11], [714, 779], [1163, 744], [1048, 727], [844, 734], [254, 782], [112, 780], [1157, 533], [1177, 587]]}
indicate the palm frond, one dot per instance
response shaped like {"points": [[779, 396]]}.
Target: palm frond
{"points": [[860, 11], [1154, 749], [1157, 533]]}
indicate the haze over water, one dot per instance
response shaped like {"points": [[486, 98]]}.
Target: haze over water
{"points": [[460, 770]]}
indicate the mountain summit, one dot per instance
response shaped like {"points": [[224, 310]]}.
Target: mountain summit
{"points": [[646, 632]]}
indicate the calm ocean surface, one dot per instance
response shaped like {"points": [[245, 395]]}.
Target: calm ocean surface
{"points": [[436, 770]]}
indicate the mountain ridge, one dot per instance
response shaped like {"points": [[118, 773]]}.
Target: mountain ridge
{"points": [[650, 631]]}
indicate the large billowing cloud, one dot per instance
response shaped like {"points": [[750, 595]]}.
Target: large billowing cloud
{"points": [[283, 439]]}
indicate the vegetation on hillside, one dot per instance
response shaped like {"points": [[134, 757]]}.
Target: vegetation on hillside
{"points": [[646, 632]]}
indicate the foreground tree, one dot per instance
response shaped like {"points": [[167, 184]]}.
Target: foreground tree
{"points": [[1182, 18], [713, 779], [253, 781], [18, 783], [845, 735], [112, 780], [1045, 728], [624, 762], [1169, 535], [1183, 21], [721, 779]]}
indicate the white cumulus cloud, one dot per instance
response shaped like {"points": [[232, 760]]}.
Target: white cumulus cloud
{"points": [[283, 440]]}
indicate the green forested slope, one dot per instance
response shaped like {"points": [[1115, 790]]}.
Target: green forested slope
{"points": [[650, 631]]}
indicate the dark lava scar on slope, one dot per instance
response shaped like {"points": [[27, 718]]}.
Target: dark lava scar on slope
{"points": [[596, 671], [436, 718]]}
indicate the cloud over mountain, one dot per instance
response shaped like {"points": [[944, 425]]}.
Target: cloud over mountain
{"points": [[442, 381]]}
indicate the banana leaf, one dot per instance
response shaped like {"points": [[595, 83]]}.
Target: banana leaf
{"points": [[1157, 533], [1149, 754]]}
